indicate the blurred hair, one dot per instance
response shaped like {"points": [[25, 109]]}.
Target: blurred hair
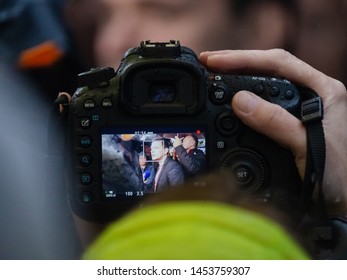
{"points": [[209, 220], [239, 7], [196, 141], [218, 186]]}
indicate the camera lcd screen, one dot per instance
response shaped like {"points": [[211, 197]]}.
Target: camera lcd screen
{"points": [[138, 161]]}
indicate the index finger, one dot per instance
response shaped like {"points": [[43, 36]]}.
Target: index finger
{"points": [[275, 62]]}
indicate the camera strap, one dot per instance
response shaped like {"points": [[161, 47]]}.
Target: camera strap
{"points": [[311, 116]]}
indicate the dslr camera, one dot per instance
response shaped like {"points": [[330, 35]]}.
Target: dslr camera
{"points": [[161, 92]]}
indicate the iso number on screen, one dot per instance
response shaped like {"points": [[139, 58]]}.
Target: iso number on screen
{"points": [[219, 270]]}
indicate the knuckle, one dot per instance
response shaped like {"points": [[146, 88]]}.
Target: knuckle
{"points": [[337, 91], [340, 88], [282, 54]]}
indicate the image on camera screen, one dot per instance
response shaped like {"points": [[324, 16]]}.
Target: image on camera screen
{"points": [[136, 162]]}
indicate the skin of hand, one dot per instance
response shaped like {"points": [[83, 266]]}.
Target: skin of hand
{"points": [[68, 96], [177, 142], [282, 127]]}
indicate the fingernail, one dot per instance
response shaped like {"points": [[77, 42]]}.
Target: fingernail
{"points": [[246, 102]]}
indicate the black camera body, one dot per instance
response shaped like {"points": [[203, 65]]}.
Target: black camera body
{"points": [[161, 91]]}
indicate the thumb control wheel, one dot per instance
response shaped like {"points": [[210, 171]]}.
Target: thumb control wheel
{"points": [[248, 169]]}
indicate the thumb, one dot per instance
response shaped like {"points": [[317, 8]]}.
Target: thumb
{"points": [[274, 122]]}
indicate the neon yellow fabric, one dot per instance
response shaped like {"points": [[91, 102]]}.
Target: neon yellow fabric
{"points": [[192, 231]]}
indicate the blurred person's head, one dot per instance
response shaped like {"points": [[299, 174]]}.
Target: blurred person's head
{"points": [[189, 143], [211, 221], [159, 150], [322, 37], [198, 24], [34, 40], [31, 211], [142, 160]]}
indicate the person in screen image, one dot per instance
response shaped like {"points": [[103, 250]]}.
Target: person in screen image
{"points": [[189, 156], [148, 172], [120, 164], [169, 172]]}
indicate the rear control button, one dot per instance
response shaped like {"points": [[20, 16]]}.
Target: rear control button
{"points": [[259, 89], [89, 104], [218, 93], [86, 160], [226, 124], [275, 91], [85, 123], [107, 103], [86, 179], [85, 141], [289, 94], [86, 197], [220, 145], [243, 174]]}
